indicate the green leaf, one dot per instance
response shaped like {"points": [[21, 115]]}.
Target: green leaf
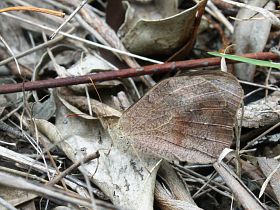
{"points": [[247, 60]]}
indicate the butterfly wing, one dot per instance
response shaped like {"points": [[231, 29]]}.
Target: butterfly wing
{"points": [[227, 84], [186, 118]]}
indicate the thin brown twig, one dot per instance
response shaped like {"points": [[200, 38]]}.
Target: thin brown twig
{"points": [[130, 72], [33, 9], [73, 167]]}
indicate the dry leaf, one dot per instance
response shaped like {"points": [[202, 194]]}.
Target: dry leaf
{"points": [[161, 31], [75, 103]]}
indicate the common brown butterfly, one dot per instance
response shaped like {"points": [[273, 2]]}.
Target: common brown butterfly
{"points": [[187, 118]]}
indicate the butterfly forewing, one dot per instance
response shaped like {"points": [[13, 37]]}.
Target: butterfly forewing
{"points": [[229, 86], [186, 118]]}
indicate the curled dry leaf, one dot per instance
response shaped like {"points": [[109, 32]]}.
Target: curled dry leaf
{"points": [[75, 103], [159, 31]]}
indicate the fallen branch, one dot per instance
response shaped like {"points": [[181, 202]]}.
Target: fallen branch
{"points": [[130, 72]]}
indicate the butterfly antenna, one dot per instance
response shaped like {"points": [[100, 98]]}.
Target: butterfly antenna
{"points": [[99, 98]]}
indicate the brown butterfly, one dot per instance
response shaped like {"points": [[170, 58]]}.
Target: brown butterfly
{"points": [[187, 118]]}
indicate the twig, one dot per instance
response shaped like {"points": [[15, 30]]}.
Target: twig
{"points": [[26, 72], [266, 13], [11, 130], [260, 136], [219, 15], [68, 19], [72, 182], [73, 167], [20, 183], [124, 73], [258, 85], [11, 52], [33, 9], [29, 51], [247, 199]]}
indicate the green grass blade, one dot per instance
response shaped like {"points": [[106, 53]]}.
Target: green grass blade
{"points": [[247, 60]]}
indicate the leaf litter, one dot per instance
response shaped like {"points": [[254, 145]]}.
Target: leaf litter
{"points": [[98, 146]]}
